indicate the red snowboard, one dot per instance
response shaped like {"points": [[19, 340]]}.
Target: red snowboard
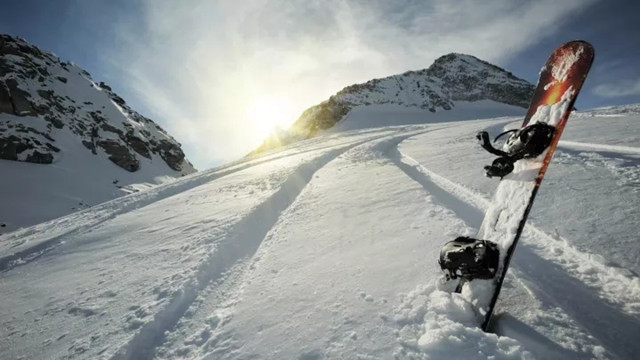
{"points": [[560, 81]]}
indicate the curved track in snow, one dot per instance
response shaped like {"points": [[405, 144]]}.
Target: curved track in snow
{"points": [[247, 236], [577, 145], [554, 273]]}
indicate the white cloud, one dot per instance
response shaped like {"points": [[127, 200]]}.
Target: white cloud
{"points": [[200, 64], [619, 88]]}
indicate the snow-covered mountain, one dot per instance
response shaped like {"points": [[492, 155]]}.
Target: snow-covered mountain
{"points": [[327, 248], [67, 142], [465, 86]]}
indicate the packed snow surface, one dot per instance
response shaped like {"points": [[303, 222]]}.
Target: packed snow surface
{"points": [[327, 249]]}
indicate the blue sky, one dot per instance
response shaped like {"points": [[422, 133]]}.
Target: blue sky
{"points": [[211, 72]]}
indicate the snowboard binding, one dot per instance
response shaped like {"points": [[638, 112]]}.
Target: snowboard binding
{"points": [[469, 259], [527, 142]]}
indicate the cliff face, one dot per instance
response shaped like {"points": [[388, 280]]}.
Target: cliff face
{"points": [[451, 79], [43, 100]]}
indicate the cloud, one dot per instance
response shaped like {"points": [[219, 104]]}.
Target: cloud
{"points": [[198, 65], [618, 89]]}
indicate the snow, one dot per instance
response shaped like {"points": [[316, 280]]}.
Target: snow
{"points": [[370, 116], [562, 68], [327, 249]]}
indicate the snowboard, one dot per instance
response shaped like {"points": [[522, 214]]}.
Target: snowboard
{"points": [[558, 86]]}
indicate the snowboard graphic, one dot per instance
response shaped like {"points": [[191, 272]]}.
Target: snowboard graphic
{"points": [[482, 263]]}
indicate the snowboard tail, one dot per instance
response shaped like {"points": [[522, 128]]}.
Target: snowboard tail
{"points": [[560, 81]]}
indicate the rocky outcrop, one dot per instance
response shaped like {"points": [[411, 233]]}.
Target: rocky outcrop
{"points": [[44, 99], [11, 146], [6, 106], [325, 115], [169, 152], [20, 99], [21, 143], [120, 154]]}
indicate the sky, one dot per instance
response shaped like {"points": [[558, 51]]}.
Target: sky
{"points": [[219, 75]]}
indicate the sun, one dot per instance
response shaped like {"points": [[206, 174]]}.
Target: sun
{"points": [[267, 112]]}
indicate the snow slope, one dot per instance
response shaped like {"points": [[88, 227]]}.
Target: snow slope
{"points": [[326, 249]]}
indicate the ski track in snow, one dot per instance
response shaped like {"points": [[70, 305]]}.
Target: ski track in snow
{"points": [[623, 165], [614, 149], [458, 196], [240, 243], [245, 240], [25, 249], [243, 243], [218, 294], [552, 268]]}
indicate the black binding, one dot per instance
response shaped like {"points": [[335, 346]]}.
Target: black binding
{"points": [[527, 142]]}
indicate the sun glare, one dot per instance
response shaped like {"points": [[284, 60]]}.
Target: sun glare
{"points": [[268, 111]]}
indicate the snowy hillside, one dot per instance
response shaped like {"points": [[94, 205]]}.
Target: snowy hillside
{"points": [[67, 142], [327, 249], [458, 82]]}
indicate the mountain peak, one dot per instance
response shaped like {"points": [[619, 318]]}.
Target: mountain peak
{"points": [[458, 62], [450, 57], [450, 80]]}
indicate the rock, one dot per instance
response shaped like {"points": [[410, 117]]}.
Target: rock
{"points": [[120, 154], [170, 153], [19, 99], [89, 145], [5, 100], [118, 100], [326, 115], [57, 123], [51, 147], [103, 85], [139, 146], [104, 126], [11, 146], [40, 158], [98, 118]]}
